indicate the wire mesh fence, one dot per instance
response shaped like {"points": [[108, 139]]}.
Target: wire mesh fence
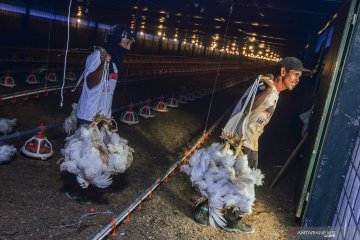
{"points": [[347, 216]]}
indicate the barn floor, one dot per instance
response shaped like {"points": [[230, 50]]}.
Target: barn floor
{"points": [[34, 195]]}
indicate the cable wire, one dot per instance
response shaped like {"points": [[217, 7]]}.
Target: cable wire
{"points": [[66, 52], [218, 67]]}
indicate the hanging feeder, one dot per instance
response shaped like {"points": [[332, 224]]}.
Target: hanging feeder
{"points": [[172, 102], [160, 106], [51, 77], [203, 92], [190, 96], [32, 79], [197, 95], [182, 99], [129, 117], [146, 111], [38, 146], [7, 81], [70, 76]]}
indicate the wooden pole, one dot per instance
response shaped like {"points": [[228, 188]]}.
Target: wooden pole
{"points": [[292, 155]]}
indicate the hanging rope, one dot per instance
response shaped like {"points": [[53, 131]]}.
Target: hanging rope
{"points": [[247, 100], [48, 47], [218, 68], [66, 52], [251, 95]]}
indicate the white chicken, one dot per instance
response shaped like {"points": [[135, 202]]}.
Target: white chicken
{"points": [[70, 122], [7, 125], [6, 152], [224, 179], [93, 155]]}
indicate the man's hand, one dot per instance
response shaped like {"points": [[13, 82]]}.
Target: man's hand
{"points": [[267, 79], [104, 56]]}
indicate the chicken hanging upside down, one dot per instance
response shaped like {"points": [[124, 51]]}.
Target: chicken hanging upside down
{"points": [[224, 179], [94, 154]]}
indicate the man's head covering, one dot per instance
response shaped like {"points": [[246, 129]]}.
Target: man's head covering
{"points": [[293, 63], [112, 40], [118, 32]]}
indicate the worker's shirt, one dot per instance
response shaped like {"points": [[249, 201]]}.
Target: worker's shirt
{"points": [[97, 99], [257, 120]]}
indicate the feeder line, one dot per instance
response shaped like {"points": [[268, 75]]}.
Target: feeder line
{"points": [[33, 131], [30, 93], [58, 87], [147, 192]]}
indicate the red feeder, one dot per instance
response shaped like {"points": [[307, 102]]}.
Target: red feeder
{"points": [[172, 102], [160, 106], [51, 77], [70, 76], [146, 111], [129, 117], [7, 81], [38, 146], [32, 79]]}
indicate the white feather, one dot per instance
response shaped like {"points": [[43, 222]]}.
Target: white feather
{"points": [[227, 181], [71, 121], [6, 152], [7, 125], [93, 155]]}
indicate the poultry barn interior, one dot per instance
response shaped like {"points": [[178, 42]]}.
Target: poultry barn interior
{"points": [[190, 63]]}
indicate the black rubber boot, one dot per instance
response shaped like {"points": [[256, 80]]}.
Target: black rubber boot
{"points": [[201, 215]]}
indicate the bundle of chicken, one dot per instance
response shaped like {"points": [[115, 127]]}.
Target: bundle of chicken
{"points": [[6, 152], [70, 122], [7, 125], [94, 155], [224, 179]]}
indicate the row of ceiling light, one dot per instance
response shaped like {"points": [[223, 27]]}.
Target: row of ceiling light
{"points": [[249, 49], [253, 50]]}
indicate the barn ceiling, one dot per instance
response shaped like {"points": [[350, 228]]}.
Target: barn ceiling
{"points": [[283, 25]]}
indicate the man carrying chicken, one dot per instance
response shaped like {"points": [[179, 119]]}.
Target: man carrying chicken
{"points": [[251, 125], [101, 74]]}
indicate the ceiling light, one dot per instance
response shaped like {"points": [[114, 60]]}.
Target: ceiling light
{"points": [[219, 19]]}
